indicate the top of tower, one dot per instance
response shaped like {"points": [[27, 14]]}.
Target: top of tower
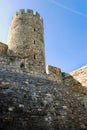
{"points": [[29, 12]]}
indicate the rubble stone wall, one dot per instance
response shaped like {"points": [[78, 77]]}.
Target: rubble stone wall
{"points": [[26, 101], [15, 64], [77, 77], [77, 81], [80, 75], [54, 73]]}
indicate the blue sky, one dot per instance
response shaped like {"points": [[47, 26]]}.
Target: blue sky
{"points": [[65, 29]]}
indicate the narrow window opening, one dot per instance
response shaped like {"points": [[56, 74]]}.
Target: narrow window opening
{"points": [[34, 29], [34, 57], [34, 41], [22, 65]]}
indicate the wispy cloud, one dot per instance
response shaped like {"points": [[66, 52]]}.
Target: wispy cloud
{"points": [[67, 8]]}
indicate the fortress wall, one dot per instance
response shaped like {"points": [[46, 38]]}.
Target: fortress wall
{"points": [[9, 63], [16, 64], [3, 49], [80, 75], [75, 77], [77, 81], [75, 85], [54, 73]]}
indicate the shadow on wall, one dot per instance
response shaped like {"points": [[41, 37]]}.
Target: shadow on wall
{"points": [[34, 103], [79, 90]]}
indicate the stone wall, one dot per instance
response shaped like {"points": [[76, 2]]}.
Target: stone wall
{"points": [[54, 73], [3, 49], [15, 64], [77, 81], [26, 40], [34, 103], [77, 77], [80, 75]]}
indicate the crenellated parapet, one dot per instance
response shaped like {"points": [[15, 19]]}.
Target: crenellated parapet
{"points": [[29, 12]]}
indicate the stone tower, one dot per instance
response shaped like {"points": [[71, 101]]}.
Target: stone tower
{"points": [[26, 41]]}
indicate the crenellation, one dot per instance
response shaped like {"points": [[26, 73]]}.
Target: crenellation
{"points": [[21, 11], [30, 12], [16, 13], [37, 14]]}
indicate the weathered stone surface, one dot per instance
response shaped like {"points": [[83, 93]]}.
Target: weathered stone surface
{"points": [[34, 103], [33, 97], [77, 80], [80, 75], [54, 73], [3, 49], [26, 40]]}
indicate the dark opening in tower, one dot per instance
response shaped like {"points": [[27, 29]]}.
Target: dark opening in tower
{"points": [[34, 41], [22, 65], [34, 56]]}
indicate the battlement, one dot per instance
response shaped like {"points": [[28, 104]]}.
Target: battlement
{"points": [[29, 12]]}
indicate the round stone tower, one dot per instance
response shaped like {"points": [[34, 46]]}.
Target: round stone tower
{"points": [[26, 40]]}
